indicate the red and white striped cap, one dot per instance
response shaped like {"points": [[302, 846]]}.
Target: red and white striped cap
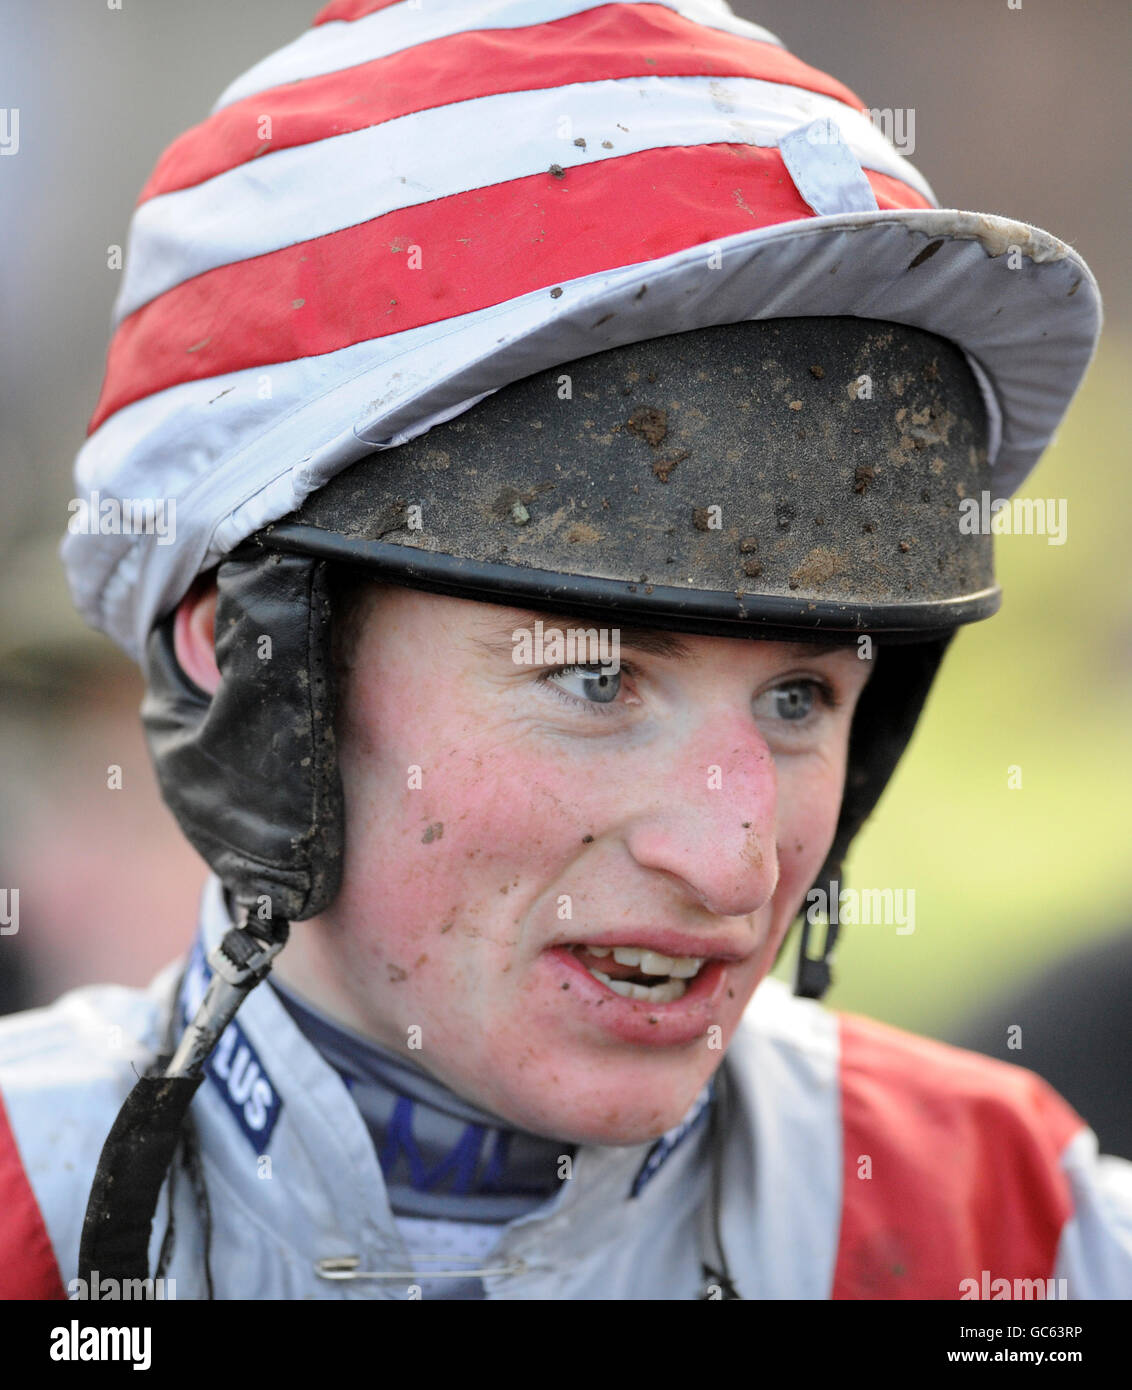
{"points": [[415, 204]]}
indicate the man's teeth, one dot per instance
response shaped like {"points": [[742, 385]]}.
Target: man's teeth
{"points": [[666, 993], [674, 969], [653, 963]]}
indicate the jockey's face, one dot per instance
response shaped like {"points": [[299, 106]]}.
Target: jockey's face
{"points": [[508, 823]]}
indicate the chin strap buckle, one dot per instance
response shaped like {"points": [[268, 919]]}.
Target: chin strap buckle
{"points": [[244, 956], [238, 964]]}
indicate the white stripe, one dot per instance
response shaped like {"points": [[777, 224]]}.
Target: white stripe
{"points": [[1094, 1254], [241, 463], [347, 44], [311, 190], [234, 459]]}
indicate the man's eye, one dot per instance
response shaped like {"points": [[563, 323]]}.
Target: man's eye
{"points": [[589, 683], [793, 702]]}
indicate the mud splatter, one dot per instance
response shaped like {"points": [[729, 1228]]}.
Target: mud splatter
{"points": [[819, 566], [663, 467], [926, 254], [649, 424]]}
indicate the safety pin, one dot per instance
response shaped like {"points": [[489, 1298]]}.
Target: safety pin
{"points": [[346, 1267]]}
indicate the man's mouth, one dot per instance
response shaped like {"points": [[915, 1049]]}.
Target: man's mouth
{"points": [[635, 972]]}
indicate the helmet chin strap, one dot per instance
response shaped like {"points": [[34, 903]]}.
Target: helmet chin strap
{"points": [[814, 974], [143, 1140]]}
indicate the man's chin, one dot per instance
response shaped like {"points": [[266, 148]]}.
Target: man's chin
{"points": [[614, 1116]]}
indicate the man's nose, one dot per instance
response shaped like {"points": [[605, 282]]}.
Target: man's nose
{"points": [[709, 817]]}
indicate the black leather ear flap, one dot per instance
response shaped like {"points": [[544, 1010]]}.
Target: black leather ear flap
{"points": [[252, 773]]}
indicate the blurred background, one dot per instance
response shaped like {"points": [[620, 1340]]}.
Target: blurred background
{"points": [[1021, 908]]}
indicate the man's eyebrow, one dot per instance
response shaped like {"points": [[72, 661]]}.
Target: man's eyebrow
{"points": [[655, 641], [822, 648]]}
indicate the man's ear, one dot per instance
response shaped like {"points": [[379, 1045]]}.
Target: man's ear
{"points": [[194, 628]]}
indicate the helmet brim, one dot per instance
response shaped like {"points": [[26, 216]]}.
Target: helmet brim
{"points": [[1022, 306]]}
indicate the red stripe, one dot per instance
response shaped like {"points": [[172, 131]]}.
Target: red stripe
{"points": [[615, 41], [965, 1174], [28, 1268], [477, 249]]}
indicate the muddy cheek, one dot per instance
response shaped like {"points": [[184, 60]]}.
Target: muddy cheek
{"points": [[451, 867]]}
